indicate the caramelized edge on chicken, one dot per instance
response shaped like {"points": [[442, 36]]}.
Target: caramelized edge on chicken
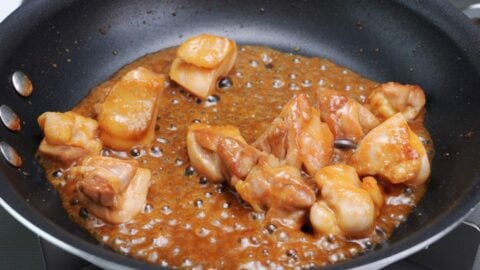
{"points": [[279, 190], [198, 66], [205, 50], [393, 152], [68, 136], [390, 98], [105, 195], [353, 204], [219, 152], [126, 117], [346, 118], [298, 136]]}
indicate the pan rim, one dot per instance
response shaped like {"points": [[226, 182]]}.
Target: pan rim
{"points": [[109, 264]]}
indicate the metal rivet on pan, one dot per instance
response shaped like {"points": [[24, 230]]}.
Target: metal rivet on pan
{"points": [[345, 144], [22, 84], [10, 154], [9, 118]]}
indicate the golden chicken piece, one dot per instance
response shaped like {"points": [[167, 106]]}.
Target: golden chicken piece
{"points": [[391, 98], [298, 136], [371, 186], [278, 189], [112, 189], [346, 208], [323, 219], [201, 60], [346, 118], [393, 152], [127, 116], [220, 152], [68, 136]]}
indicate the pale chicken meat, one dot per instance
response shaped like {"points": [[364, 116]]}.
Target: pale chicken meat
{"points": [[68, 136], [128, 114], [220, 152], [201, 61], [346, 118], [112, 189], [346, 207], [279, 190], [323, 219], [393, 152], [390, 98], [370, 184], [298, 137]]}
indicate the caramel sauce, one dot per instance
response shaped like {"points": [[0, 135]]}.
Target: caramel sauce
{"points": [[189, 222]]}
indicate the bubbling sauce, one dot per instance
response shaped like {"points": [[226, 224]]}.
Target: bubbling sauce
{"points": [[189, 222]]}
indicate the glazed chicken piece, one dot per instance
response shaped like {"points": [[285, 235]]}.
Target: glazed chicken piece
{"points": [[220, 152], [127, 116], [298, 136], [201, 60], [112, 189], [279, 190], [68, 136], [391, 98], [346, 118], [347, 207], [393, 152]]}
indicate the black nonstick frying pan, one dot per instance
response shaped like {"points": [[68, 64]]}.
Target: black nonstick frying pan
{"points": [[67, 47]]}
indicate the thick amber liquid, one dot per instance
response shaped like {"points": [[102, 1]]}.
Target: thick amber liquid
{"points": [[190, 222]]}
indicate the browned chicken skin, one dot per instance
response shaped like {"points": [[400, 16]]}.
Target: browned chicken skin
{"points": [[391, 98], [68, 136], [348, 207], [201, 60], [346, 118], [393, 152], [112, 189], [220, 152], [298, 136], [266, 183], [277, 189], [127, 116]]}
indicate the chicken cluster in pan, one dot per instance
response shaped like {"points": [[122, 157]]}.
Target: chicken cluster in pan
{"points": [[289, 171]]}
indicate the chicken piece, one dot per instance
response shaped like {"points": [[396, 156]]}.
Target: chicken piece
{"points": [[292, 219], [391, 98], [127, 116], [220, 152], [112, 189], [371, 186], [68, 136], [205, 50], [346, 118], [346, 208], [277, 188], [201, 60], [298, 136], [323, 219], [393, 152]]}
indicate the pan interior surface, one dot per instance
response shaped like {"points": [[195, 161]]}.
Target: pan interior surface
{"points": [[68, 47]]}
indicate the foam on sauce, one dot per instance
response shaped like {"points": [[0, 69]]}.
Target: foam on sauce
{"points": [[189, 222]]}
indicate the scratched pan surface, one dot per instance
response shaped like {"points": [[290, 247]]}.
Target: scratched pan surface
{"points": [[67, 47]]}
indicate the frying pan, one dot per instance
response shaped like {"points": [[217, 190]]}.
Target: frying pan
{"points": [[67, 47]]}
